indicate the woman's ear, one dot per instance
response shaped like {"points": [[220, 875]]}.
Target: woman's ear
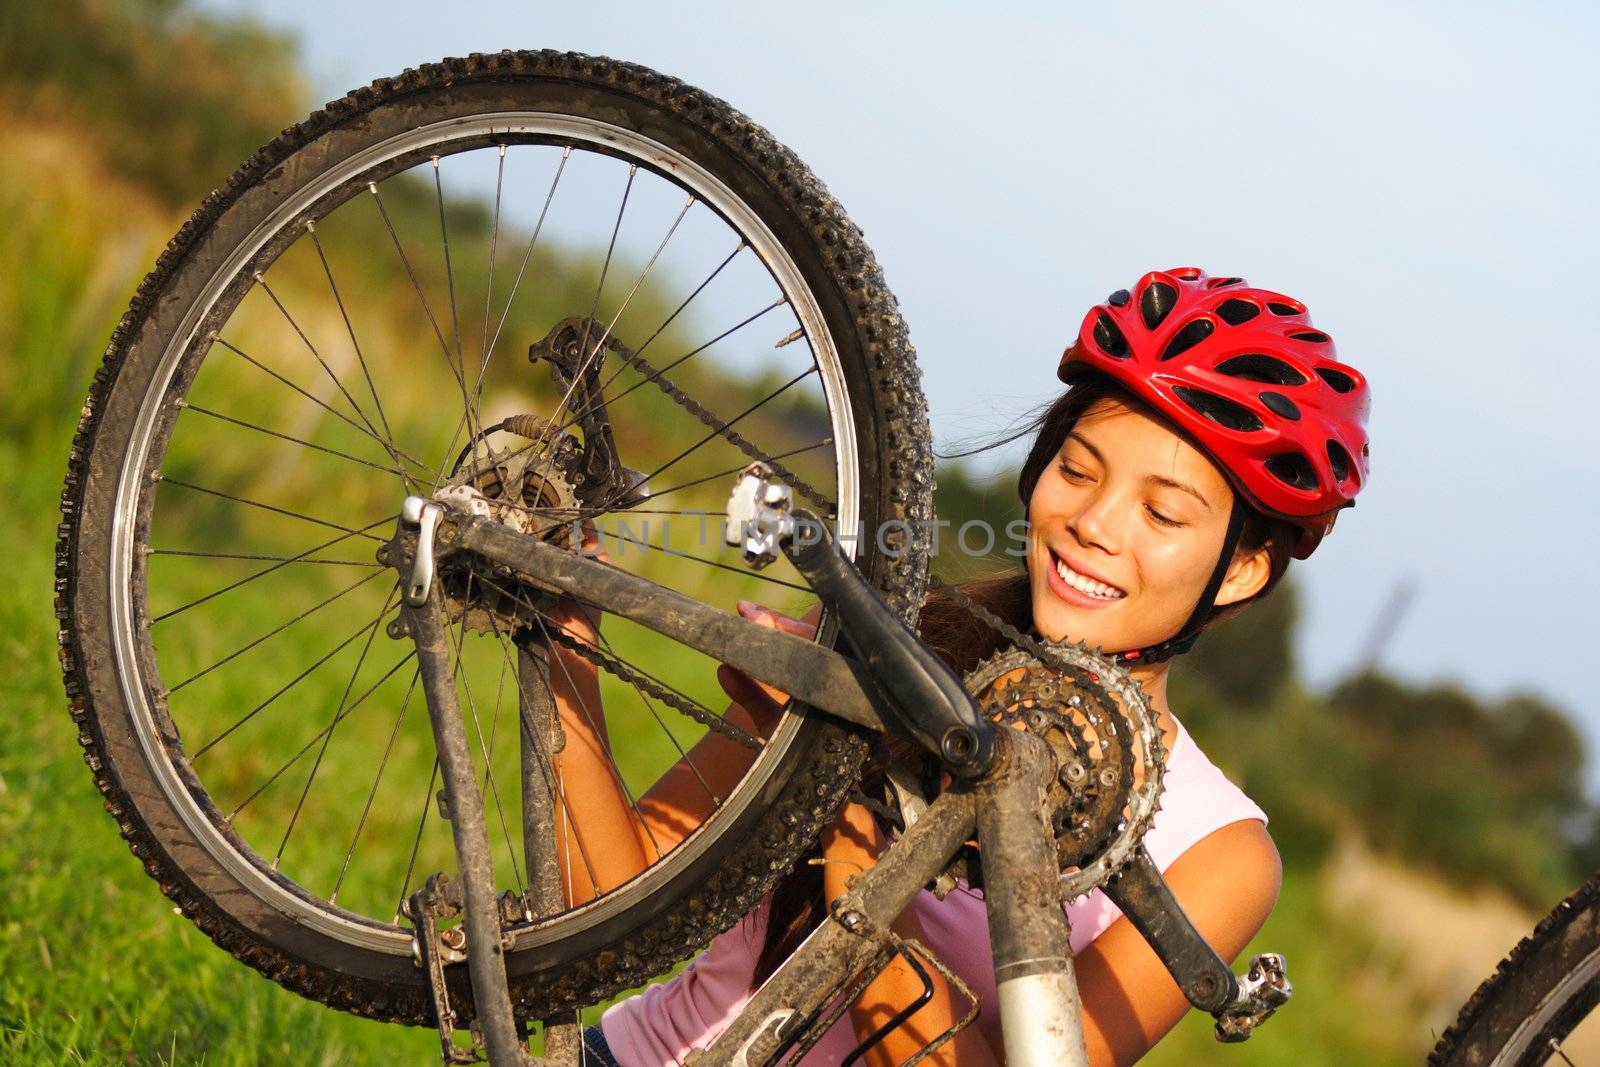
{"points": [[1246, 576]]}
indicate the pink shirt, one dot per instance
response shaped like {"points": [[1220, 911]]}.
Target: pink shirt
{"points": [[659, 1026]]}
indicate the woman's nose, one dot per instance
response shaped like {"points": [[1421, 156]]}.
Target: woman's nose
{"points": [[1096, 524]]}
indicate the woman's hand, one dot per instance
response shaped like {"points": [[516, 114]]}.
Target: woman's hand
{"points": [[762, 701]]}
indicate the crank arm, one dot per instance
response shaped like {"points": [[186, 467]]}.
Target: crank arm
{"points": [[930, 704], [1238, 1006]]}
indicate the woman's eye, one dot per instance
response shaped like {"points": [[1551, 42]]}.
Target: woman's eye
{"points": [[1069, 471], [1164, 520]]}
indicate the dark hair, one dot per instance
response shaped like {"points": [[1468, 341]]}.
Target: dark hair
{"points": [[963, 640]]}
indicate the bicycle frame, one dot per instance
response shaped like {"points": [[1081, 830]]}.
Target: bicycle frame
{"points": [[998, 798]]}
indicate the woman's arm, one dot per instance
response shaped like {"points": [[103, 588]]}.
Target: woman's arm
{"points": [[604, 839], [1227, 883], [851, 845], [690, 790]]}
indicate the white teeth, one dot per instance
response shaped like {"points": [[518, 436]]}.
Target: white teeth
{"points": [[1086, 585]]}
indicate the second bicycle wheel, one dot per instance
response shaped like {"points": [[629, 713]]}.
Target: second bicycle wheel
{"points": [[372, 307], [1539, 1006]]}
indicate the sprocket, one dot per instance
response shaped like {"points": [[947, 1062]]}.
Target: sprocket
{"points": [[1107, 742]]}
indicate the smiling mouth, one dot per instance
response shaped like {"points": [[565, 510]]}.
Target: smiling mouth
{"points": [[1083, 583]]}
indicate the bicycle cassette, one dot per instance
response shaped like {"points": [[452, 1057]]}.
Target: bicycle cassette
{"points": [[526, 487]]}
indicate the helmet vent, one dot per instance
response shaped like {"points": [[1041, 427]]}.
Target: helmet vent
{"points": [[1255, 367], [1188, 337], [1119, 299], [1222, 283], [1109, 338], [1188, 274], [1293, 469], [1280, 308], [1339, 380], [1280, 404], [1235, 311], [1340, 459], [1156, 303], [1315, 336], [1220, 410]]}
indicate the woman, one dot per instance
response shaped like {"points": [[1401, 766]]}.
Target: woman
{"points": [[1207, 436]]}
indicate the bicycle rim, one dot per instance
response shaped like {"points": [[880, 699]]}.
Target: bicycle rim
{"points": [[187, 635]]}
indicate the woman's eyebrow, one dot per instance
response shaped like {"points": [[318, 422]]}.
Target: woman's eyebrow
{"points": [[1182, 487], [1084, 441], [1154, 479]]}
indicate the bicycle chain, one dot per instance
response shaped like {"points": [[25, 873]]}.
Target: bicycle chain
{"points": [[1021, 640], [702, 715], [732, 436]]}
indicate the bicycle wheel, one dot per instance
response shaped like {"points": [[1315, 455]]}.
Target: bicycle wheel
{"points": [[1532, 1010], [331, 331]]}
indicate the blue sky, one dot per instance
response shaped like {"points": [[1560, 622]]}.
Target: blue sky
{"points": [[1422, 176]]}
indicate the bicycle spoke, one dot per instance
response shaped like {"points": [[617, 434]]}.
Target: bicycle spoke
{"points": [[668, 321], [350, 330], [416, 842], [422, 298], [258, 558], [527, 252], [275, 631], [651, 374], [488, 766], [654, 714], [467, 406], [556, 788], [320, 734], [338, 384], [390, 446], [313, 550], [290, 684], [272, 508], [594, 303], [499, 697], [681, 554], [722, 427], [187, 406], [657, 494], [488, 288], [327, 738], [366, 809], [639, 281], [656, 374]]}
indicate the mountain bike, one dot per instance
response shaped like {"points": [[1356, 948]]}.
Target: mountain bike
{"points": [[313, 489]]}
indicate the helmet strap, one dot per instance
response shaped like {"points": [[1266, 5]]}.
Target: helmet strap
{"points": [[1190, 632]]}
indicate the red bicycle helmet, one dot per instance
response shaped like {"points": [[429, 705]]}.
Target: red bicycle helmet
{"points": [[1245, 374]]}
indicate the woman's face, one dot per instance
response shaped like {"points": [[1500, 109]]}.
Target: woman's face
{"points": [[1125, 529]]}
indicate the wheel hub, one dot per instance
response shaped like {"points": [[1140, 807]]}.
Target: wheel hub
{"points": [[527, 487]]}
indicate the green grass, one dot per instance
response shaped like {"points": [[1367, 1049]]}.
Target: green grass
{"points": [[95, 967], [1335, 1018]]}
